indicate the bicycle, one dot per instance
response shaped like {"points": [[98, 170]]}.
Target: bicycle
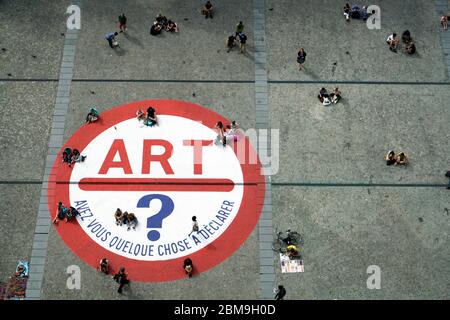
{"points": [[286, 238]]}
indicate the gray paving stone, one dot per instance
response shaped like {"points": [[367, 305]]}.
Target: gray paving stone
{"points": [[42, 229], [266, 238], [66, 76], [42, 222], [37, 268], [33, 293], [265, 230], [36, 276], [265, 245], [266, 254], [266, 261], [267, 277], [34, 285], [37, 260], [40, 237], [266, 269]]}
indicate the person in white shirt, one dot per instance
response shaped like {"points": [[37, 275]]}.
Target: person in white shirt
{"points": [[392, 41]]}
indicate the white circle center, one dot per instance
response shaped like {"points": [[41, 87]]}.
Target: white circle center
{"points": [[215, 210]]}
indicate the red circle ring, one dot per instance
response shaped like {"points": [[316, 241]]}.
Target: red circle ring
{"points": [[157, 271]]}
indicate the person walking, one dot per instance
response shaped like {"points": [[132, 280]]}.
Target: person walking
{"points": [[239, 28], [123, 22], [121, 278], [301, 57], [281, 292], [194, 225], [242, 41]]}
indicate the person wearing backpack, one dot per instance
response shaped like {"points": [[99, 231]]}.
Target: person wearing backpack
{"points": [[242, 41]]}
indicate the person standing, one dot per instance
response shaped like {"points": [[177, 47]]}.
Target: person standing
{"points": [[242, 41], [104, 266], [123, 22], [207, 10], [121, 277], [239, 28], [301, 57], [281, 292], [194, 225], [231, 42]]}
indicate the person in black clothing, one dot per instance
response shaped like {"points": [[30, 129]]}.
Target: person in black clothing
{"points": [[281, 292], [242, 41], [207, 10], [121, 278], [231, 42], [390, 158], [322, 94], [406, 37], [151, 117], [155, 29], [123, 22], [188, 267]]}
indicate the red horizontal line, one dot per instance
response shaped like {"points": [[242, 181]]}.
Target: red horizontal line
{"points": [[152, 184]]}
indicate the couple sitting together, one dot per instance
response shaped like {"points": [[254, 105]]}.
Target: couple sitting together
{"points": [[327, 99]]}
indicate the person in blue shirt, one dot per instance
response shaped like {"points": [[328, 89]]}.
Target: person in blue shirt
{"points": [[111, 37]]}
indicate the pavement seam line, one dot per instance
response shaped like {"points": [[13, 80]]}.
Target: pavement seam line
{"points": [[42, 226], [266, 268]]}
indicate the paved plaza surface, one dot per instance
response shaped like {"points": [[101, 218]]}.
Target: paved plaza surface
{"points": [[332, 185]]}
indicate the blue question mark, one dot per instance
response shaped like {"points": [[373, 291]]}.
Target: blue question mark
{"points": [[155, 221]]}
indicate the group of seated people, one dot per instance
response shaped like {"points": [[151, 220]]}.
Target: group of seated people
{"points": [[162, 23], [63, 213], [71, 156], [92, 116], [393, 159], [393, 42], [328, 98], [149, 118], [125, 218], [227, 133], [356, 12]]}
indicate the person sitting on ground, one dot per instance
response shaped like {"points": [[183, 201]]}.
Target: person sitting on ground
{"points": [[207, 10], [444, 22], [221, 133], [401, 159], [188, 267], [104, 266], [323, 94], [77, 157], [364, 14], [155, 29], [406, 37], [172, 26], [150, 120], [232, 133], [392, 42], [132, 221], [162, 20], [355, 12], [71, 213], [92, 116], [140, 115], [60, 213], [292, 251], [67, 156], [230, 42], [335, 95], [410, 48], [347, 10], [118, 215], [390, 158]]}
